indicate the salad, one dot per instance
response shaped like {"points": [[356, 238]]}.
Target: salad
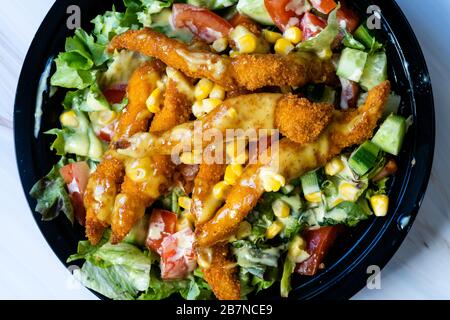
{"points": [[167, 213]]}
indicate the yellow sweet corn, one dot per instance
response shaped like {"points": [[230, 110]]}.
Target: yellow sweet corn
{"points": [[333, 167], [297, 250], [271, 181], [275, 228], [236, 150], [220, 44], [203, 89], [190, 158], [220, 190], [69, 119], [106, 117], [154, 101], [281, 209], [247, 43], [293, 34], [139, 170], [348, 191], [283, 46], [232, 173], [271, 36], [315, 197], [380, 204], [217, 92], [185, 203]]}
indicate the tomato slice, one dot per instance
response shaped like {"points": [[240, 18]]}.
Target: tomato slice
{"points": [[318, 243], [324, 6], [76, 176], [311, 25], [285, 13], [239, 19], [162, 224], [348, 17], [200, 21], [106, 133], [178, 255], [115, 93]]}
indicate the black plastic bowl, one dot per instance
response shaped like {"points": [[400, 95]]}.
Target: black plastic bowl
{"points": [[371, 243]]}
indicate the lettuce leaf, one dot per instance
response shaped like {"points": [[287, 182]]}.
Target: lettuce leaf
{"points": [[69, 77], [321, 44], [51, 195], [213, 4]]}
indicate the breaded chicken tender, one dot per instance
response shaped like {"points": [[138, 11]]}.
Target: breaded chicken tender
{"points": [[293, 160], [250, 71], [104, 183], [301, 120]]}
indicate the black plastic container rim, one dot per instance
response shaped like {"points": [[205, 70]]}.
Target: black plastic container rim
{"points": [[347, 276]]}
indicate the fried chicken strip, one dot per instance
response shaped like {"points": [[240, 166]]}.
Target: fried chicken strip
{"points": [[250, 71], [138, 193], [297, 118], [104, 183], [292, 160]]}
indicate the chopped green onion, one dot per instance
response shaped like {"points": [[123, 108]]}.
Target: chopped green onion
{"points": [[363, 35], [310, 183], [364, 158], [390, 135]]}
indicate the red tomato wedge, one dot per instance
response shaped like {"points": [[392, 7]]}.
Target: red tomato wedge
{"points": [[323, 6], [200, 21], [76, 176], [239, 19], [286, 13], [318, 243], [115, 93], [349, 18], [163, 223], [178, 255], [311, 25], [106, 133]]}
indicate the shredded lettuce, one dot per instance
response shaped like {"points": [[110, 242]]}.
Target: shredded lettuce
{"points": [[321, 44], [51, 194], [213, 4], [256, 10]]}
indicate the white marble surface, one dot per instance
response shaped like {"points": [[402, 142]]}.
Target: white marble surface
{"points": [[29, 269]]}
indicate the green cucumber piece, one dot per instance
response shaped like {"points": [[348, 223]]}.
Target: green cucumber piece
{"points": [[375, 71], [310, 183], [390, 135], [364, 158], [351, 64]]}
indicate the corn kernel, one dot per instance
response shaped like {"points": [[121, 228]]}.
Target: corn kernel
{"points": [[232, 113], [234, 54], [297, 250], [315, 197], [247, 43], [271, 36], [203, 88], [271, 181], [154, 101], [190, 158], [232, 173], [210, 104], [333, 167], [106, 117], [293, 34], [139, 170], [325, 54], [283, 46], [220, 190], [348, 191], [69, 119], [217, 92], [220, 44], [275, 228], [281, 209], [380, 204], [236, 150], [244, 230], [185, 203]]}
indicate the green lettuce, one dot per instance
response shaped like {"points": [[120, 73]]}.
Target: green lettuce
{"points": [[51, 195], [321, 44], [213, 4]]}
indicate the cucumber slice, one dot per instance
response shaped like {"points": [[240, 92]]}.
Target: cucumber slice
{"points": [[375, 71], [390, 135], [364, 158], [351, 65], [310, 183]]}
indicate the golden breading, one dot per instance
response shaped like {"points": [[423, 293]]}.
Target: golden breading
{"points": [[104, 183], [293, 160], [222, 274], [249, 71], [135, 197], [300, 119]]}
